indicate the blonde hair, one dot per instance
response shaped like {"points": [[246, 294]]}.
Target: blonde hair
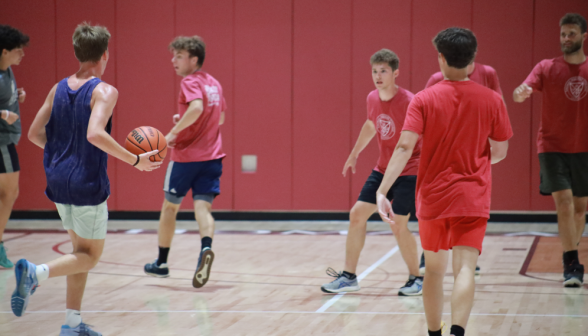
{"points": [[90, 42]]}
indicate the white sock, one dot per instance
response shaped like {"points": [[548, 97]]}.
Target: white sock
{"points": [[42, 272], [73, 318]]}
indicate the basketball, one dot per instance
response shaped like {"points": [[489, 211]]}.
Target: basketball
{"points": [[145, 139]]}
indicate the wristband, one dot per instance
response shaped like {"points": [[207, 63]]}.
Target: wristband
{"points": [[136, 163]]}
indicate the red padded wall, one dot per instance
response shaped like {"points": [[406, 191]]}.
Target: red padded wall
{"points": [[263, 103], [214, 22], [36, 74], [321, 103], [546, 45], [494, 24], [372, 31], [147, 97]]}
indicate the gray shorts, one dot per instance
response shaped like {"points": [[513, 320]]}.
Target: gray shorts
{"points": [[88, 222]]}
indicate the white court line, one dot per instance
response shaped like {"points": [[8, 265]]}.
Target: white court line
{"points": [[280, 312], [180, 231], [359, 278], [133, 231]]}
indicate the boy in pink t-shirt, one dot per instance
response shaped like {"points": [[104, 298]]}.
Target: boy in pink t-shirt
{"points": [[480, 73], [196, 158], [465, 128], [386, 112], [562, 141]]}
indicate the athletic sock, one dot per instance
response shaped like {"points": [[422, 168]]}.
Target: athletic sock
{"points": [[163, 252], [570, 257], [73, 318], [435, 333], [206, 243], [42, 272], [457, 330], [349, 276]]}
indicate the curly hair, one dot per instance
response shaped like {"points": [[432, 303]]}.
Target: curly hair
{"points": [[90, 42], [457, 45], [385, 56], [574, 19], [194, 45], [11, 38]]}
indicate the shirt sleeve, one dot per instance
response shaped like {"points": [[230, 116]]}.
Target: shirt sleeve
{"points": [[414, 120], [535, 78], [501, 127], [191, 90], [494, 82], [434, 79]]}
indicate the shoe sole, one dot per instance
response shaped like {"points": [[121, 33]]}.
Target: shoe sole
{"points": [[410, 294], [203, 271], [20, 298], [157, 275], [573, 283], [341, 290]]}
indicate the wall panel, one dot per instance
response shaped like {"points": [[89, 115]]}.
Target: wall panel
{"points": [[372, 31], [214, 22], [147, 97], [36, 74], [494, 24], [321, 104], [263, 103]]}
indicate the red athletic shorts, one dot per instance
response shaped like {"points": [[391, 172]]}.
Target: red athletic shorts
{"points": [[445, 233]]}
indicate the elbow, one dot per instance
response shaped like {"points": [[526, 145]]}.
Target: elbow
{"points": [[93, 137]]}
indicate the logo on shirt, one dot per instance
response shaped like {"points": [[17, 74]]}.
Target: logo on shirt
{"points": [[576, 88], [212, 95], [385, 126]]}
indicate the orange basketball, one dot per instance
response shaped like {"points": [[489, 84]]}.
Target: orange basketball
{"points": [[145, 139]]}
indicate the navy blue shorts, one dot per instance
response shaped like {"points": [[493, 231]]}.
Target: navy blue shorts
{"points": [[402, 192], [202, 177]]}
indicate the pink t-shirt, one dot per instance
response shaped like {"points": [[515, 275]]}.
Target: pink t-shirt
{"points": [[388, 118], [564, 112], [483, 74], [456, 119], [200, 141]]}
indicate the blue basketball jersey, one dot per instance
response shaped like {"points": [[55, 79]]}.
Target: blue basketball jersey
{"points": [[75, 169]]}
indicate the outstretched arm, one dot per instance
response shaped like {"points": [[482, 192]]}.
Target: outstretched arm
{"points": [[368, 131], [105, 97], [398, 161], [37, 133], [522, 92]]}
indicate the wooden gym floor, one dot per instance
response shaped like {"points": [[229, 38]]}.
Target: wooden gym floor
{"points": [[268, 283]]}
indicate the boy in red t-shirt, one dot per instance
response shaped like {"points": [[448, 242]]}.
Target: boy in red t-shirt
{"points": [[482, 74], [196, 158], [464, 128], [386, 112], [562, 141]]}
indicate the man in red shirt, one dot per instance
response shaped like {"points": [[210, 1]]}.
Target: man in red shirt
{"points": [[562, 142], [196, 159], [482, 74], [386, 112], [464, 127]]}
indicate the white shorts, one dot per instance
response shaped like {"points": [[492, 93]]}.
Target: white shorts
{"points": [[88, 222]]}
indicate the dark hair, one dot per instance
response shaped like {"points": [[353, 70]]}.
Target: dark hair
{"points": [[458, 46], [90, 42], [574, 19], [385, 56], [194, 45], [11, 38]]}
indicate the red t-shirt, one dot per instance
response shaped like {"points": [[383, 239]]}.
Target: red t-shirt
{"points": [[388, 118], [564, 112], [456, 119], [200, 141], [483, 74]]}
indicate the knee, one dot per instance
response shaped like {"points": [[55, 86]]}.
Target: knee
{"points": [[579, 214], [565, 204], [9, 195], [170, 208], [356, 219]]}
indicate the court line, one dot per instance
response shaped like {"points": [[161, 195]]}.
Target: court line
{"points": [[280, 312], [359, 278]]}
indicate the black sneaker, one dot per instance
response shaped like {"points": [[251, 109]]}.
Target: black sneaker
{"points": [[203, 269], [573, 275], [422, 265], [477, 270], [160, 271]]}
